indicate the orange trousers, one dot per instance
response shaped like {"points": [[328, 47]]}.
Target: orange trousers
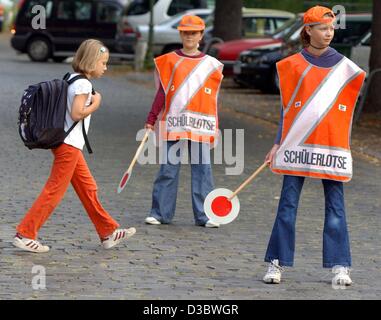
{"points": [[69, 166]]}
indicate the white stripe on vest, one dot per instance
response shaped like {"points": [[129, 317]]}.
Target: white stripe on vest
{"points": [[189, 88], [308, 118]]}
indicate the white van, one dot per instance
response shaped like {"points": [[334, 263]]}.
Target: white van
{"points": [[137, 12]]}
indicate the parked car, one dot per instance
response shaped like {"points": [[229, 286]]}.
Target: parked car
{"points": [[256, 22], [361, 52], [68, 23], [256, 67], [137, 13], [166, 35], [266, 25]]}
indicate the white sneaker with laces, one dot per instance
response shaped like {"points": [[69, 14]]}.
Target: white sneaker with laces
{"points": [[342, 276], [211, 224], [152, 220], [117, 236], [29, 244], [274, 272]]}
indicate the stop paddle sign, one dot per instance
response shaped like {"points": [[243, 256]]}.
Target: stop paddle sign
{"points": [[219, 208], [222, 205]]}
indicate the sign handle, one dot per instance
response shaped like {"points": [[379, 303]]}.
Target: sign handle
{"points": [[139, 150], [247, 181]]}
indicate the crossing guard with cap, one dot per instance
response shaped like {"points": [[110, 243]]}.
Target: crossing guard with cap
{"points": [[318, 98], [190, 85]]}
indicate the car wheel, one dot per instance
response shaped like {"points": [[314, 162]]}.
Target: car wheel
{"points": [[39, 49], [59, 59]]}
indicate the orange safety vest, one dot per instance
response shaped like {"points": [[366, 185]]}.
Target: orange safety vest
{"points": [[191, 87], [318, 106]]}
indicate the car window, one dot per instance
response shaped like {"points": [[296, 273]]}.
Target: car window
{"points": [[287, 28], [177, 6], [279, 22], [74, 10], [295, 36], [353, 32], [108, 12], [48, 5], [257, 26], [138, 7], [177, 16]]}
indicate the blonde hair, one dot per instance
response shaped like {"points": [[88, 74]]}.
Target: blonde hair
{"points": [[305, 37], [87, 55]]}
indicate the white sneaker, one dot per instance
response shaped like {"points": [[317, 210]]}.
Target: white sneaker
{"points": [[152, 220], [117, 236], [342, 276], [29, 244], [274, 272], [211, 224]]}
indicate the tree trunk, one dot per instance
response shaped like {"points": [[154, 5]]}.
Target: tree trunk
{"points": [[228, 19], [373, 102], [149, 64]]}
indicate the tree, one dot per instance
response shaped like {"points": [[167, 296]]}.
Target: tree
{"points": [[373, 102], [148, 63], [228, 19]]}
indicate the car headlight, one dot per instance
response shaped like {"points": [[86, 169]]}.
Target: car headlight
{"points": [[262, 59], [254, 59], [247, 59]]}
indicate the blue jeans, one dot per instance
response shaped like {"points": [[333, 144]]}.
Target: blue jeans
{"points": [[336, 249], [165, 186]]}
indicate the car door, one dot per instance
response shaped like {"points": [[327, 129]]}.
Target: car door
{"points": [[108, 14], [361, 52], [74, 23]]}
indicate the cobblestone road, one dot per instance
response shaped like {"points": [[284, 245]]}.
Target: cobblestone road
{"points": [[178, 261]]}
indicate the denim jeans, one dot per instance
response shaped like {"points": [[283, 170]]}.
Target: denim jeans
{"points": [[336, 249], [165, 186]]}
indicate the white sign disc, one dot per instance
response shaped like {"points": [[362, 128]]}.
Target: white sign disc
{"points": [[219, 208]]}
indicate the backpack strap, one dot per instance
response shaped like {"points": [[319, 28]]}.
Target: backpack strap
{"points": [[87, 143], [66, 76], [72, 80]]}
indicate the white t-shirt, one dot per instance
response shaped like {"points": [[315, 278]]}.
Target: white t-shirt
{"points": [[81, 86]]}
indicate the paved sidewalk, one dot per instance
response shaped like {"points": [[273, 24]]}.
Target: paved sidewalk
{"points": [[178, 261]]}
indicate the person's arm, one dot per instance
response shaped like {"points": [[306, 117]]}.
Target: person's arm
{"points": [[157, 106], [280, 128], [79, 110], [270, 156]]}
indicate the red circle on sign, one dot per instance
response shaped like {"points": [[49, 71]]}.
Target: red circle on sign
{"points": [[221, 206], [125, 178]]}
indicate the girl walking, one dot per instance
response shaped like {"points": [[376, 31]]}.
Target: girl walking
{"points": [[69, 165]]}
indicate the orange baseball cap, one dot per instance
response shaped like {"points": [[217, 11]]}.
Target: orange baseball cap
{"points": [[315, 15], [191, 23]]}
